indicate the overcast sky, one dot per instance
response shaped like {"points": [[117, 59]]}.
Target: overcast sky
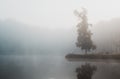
{"points": [[57, 13]]}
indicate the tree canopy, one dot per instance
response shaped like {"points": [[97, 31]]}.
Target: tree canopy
{"points": [[84, 40]]}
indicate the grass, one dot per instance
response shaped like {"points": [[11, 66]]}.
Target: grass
{"points": [[93, 56]]}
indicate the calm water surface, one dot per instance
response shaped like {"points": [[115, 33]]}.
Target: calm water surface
{"points": [[50, 67]]}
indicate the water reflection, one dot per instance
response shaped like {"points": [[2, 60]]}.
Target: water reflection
{"points": [[53, 67], [86, 71]]}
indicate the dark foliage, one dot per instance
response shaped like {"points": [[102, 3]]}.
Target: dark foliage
{"points": [[84, 40], [85, 71]]}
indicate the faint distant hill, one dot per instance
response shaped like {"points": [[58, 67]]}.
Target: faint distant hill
{"points": [[12, 35], [19, 38]]}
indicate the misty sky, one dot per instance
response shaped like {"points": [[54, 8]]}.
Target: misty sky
{"points": [[57, 13], [16, 38]]}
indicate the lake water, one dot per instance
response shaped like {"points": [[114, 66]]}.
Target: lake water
{"points": [[51, 67]]}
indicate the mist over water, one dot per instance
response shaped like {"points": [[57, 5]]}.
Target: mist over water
{"points": [[28, 52], [36, 35], [34, 67], [47, 67]]}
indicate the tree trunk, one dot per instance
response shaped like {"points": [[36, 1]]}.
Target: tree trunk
{"points": [[86, 51]]}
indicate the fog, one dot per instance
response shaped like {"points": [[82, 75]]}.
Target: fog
{"points": [[29, 52], [20, 38], [35, 36], [106, 35]]}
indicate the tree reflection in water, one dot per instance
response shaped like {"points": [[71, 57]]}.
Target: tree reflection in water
{"points": [[85, 71]]}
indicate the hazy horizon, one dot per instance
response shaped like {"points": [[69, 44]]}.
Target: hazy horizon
{"points": [[25, 38], [36, 37]]}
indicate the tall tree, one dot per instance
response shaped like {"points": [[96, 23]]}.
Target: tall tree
{"points": [[84, 40]]}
